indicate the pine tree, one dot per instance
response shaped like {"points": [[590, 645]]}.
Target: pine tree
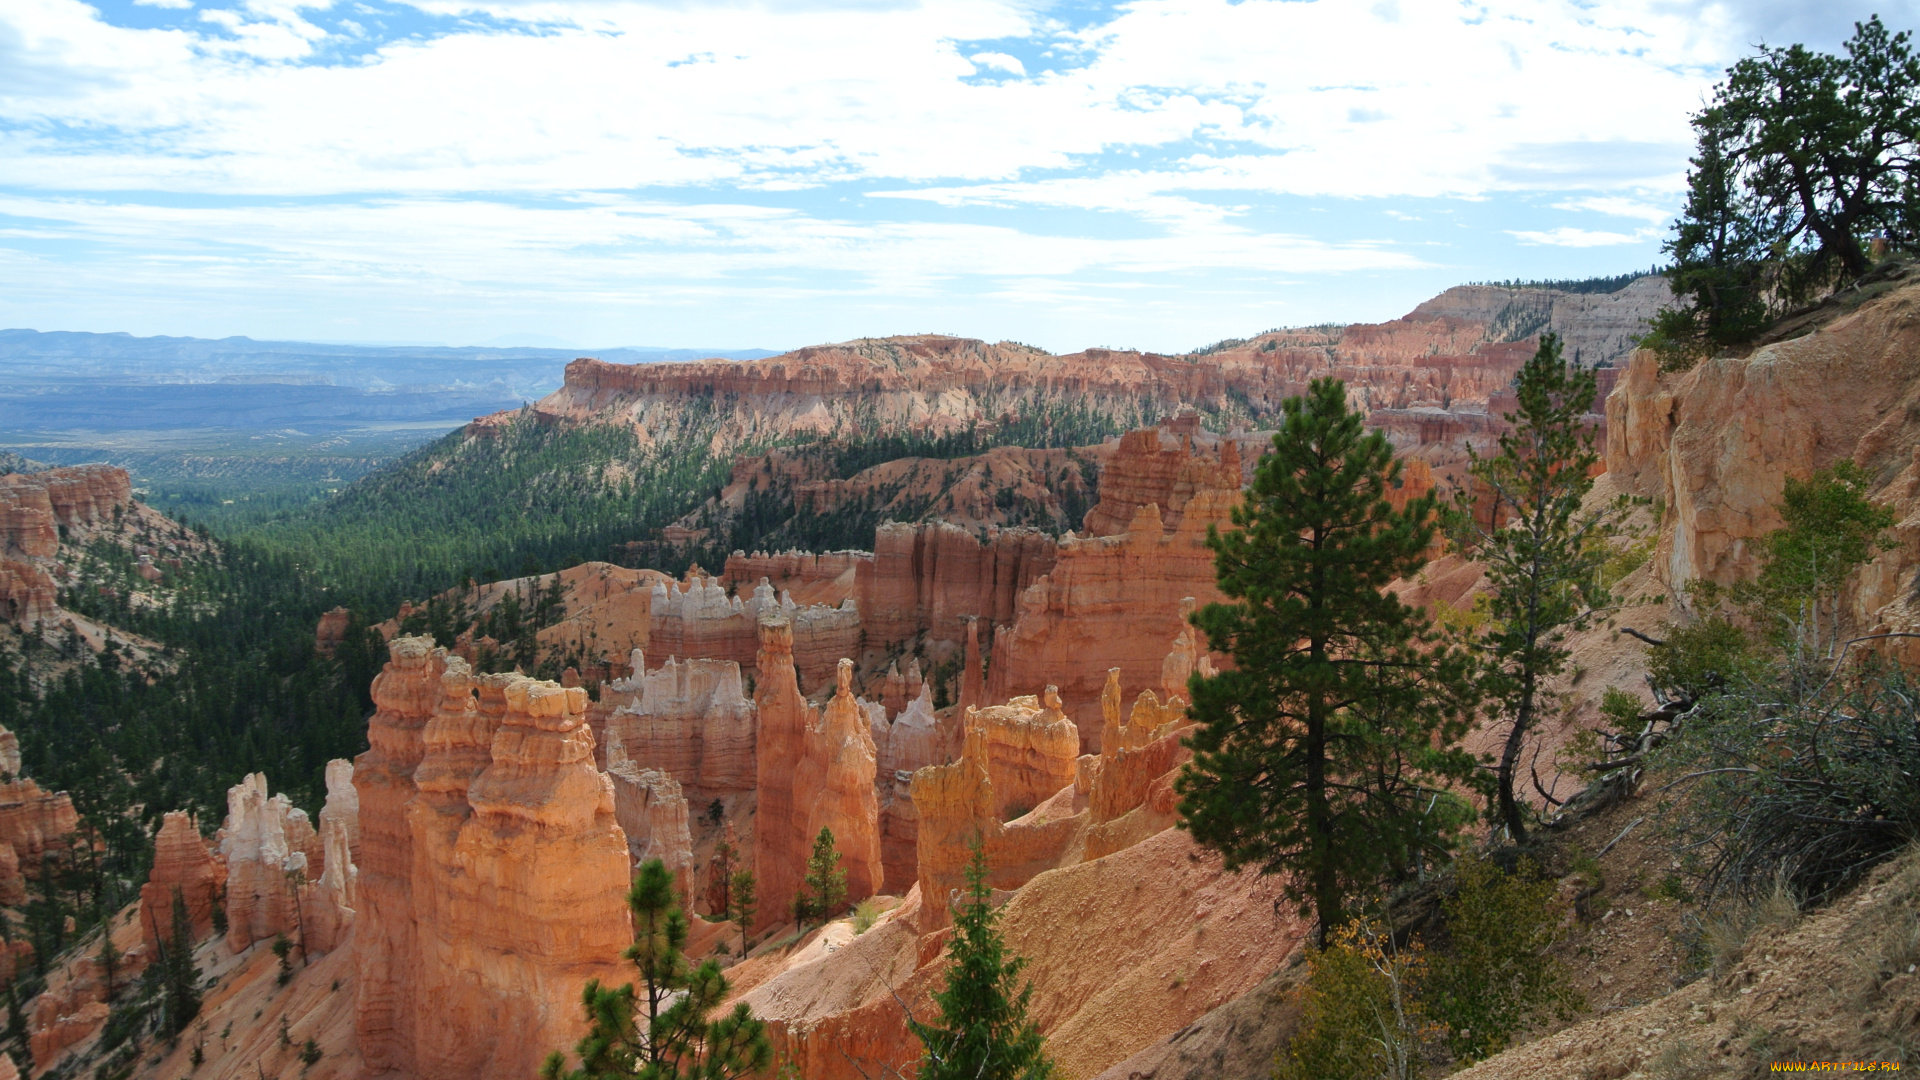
{"points": [[983, 1032], [743, 903], [1541, 550], [109, 957], [660, 1030], [179, 973], [825, 886], [1320, 752]]}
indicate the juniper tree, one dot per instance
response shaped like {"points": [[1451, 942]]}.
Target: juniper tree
{"points": [[658, 1030], [1320, 750], [983, 1031], [1541, 551], [1803, 160]]}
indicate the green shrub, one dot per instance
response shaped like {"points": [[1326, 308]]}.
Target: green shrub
{"points": [[1359, 1016], [1496, 975]]}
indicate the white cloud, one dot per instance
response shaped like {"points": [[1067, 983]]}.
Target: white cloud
{"points": [[1620, 206], [596, 96], [175, 4], [1581, 238], [664, 152], [998, 61]]}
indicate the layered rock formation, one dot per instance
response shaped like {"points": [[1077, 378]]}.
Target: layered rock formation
{"points": [[930, 578], [1030, 749], [342, 808], [1447, 356], [838, 775], [1123, 952], [269, 848], [31, 820], [1715, 445], [403, 695], [955, 807], [1110, 601], [699, 619], [816, 770], [780, 840], [332, 630], [34, 509], [181, 864], [688, 718], [536, 897], [501, 873], [910, 740], [1166, 466], [652, 812]]}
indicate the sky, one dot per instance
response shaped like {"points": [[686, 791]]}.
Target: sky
{"points": [[1154, 174]]}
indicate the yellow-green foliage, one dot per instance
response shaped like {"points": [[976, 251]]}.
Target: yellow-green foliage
{"points": [[1359, 1019], [1625, 559], [1468, 619], [1496, 975], [864, 915]]}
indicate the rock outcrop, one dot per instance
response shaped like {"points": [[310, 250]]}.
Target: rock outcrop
{"points": [[384, 943], [342, 806], [264, 845], [332, 630], [911, 740], [536, 894], [652, 812], [931, 578], [837, 778], [501, 873], [1030, 748], [699, 619], [35, 509], [1123, 953], [31, 820], [1166, 466], [1714, 447], [688, 718], [181, 864], [1110, 601], [816, 770], [780, 839]]}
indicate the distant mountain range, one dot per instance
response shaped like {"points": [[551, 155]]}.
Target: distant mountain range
{"points": [[65, 380]]}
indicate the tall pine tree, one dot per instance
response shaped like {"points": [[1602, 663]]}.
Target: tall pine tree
{"points": [[983, 1032], [1320, 750], [1541, 550]]}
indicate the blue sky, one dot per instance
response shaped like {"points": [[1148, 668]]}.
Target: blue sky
{"points": [[1155, 174]]}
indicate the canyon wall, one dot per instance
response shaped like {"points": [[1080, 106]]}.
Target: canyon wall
{"points": [[932, 577], [1110, 601], [1715, 445]]}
